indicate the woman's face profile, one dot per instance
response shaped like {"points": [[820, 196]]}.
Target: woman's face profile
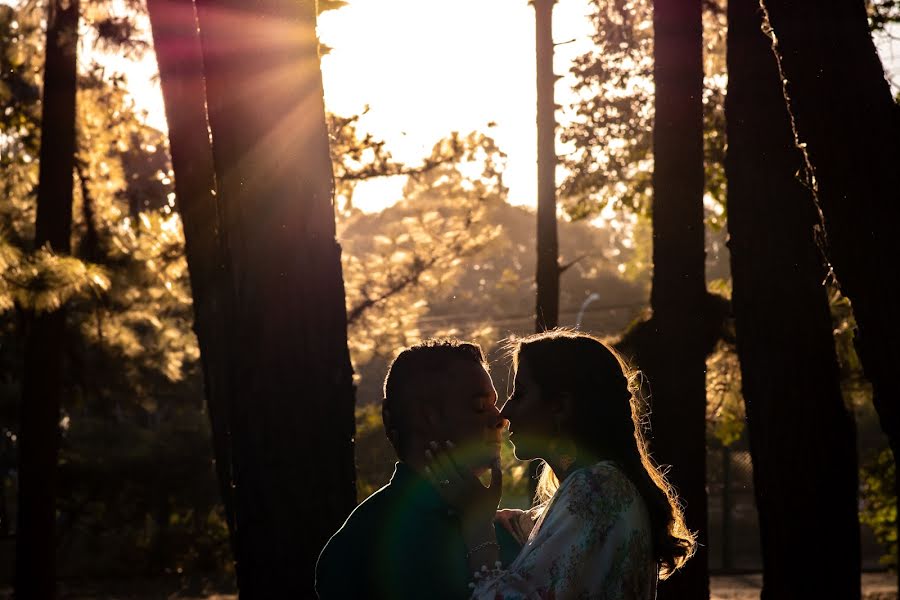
{"points": [[529, 421]]}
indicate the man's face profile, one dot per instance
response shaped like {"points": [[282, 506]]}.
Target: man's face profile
{"points": [[463, 409]]}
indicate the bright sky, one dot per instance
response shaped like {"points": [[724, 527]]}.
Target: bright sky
{"points": [[428, 67]]}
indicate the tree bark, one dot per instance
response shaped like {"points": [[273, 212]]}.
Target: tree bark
{"points": [[845, 114], [291, 391], [35, 574], [178, 55], [675, 359], [802, 437], [547, 307]]}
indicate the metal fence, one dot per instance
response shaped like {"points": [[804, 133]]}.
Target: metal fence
{"points": [[734, 544]]}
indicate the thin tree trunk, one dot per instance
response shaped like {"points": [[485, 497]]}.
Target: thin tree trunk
{"points": [[180, 61], [548, 271], [291, 391], [802, 437], [35, 576], [547, 308], [850, 123], [676, 361]]}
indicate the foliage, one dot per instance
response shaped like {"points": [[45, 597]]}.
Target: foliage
{"points": [[611, 126], [44, 281], [879, 503], [21, 57], [441, 222], [358, 157], [725, 413], [878, 499], [132, 386], [856, 388], [612, 159]]}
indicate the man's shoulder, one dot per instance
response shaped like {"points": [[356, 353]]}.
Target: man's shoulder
{"points": [[382, 540], [360, 523], [347, 551]]}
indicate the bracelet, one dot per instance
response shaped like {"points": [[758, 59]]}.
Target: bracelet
{"points": [[481, 546]]}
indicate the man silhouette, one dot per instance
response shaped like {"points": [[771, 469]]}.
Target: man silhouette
{"points": [[404, 541]]}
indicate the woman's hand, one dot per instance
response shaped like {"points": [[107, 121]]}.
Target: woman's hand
{"points": [[475, 503], [461, 489], [518, 523]]}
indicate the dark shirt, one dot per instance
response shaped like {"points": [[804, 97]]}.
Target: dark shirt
{"points": [[402, 542]]}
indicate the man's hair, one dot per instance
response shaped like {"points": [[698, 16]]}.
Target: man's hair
{"points": [[414, 365]]}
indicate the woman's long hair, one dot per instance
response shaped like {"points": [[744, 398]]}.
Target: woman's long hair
{"points": [[607, 423]]}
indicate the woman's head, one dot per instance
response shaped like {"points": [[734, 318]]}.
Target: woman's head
{"points": [[570, 385], [573, 391]]}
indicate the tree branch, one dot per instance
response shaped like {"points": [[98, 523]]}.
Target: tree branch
{"points": [[569, 265]]}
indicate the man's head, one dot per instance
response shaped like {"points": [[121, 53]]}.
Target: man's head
{"points": [[440, 390]]}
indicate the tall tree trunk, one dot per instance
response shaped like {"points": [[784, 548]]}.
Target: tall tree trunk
{"points": [[547, 308], [291, 390], [180, 62], [844, 113], [676, 361], [35, 576], [802, 437], [548, 271]]}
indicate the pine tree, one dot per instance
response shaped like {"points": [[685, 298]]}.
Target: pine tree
{"points": [[35, 575], [675, 359], [848, 125], [180, 62], [548, 271], [802, 437], [290, 389]]}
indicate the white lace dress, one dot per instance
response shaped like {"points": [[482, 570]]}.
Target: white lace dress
{"points": [[593, 541]]}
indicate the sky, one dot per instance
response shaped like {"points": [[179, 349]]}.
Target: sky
{"points": [[425, 68]]}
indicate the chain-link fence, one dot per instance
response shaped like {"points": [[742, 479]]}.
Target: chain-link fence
{"points": [[734, 544]]}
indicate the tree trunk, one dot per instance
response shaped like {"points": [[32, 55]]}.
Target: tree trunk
{"points": [[35, 576], [178, 55], [802, 437], [675, 361], [291, 390], [547, 308], [846, 116]]}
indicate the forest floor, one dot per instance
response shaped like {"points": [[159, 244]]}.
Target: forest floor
{"points": [[876, 586]]}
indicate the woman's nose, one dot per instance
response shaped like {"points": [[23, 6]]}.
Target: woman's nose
{"points": [[499, 421]]}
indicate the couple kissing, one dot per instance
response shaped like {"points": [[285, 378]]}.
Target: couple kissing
{"points": [[605, 522]]}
